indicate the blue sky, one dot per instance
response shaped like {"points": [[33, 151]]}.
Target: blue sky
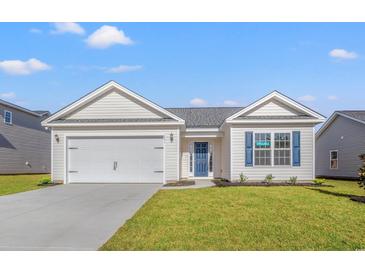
{"points": [[46, 65]]}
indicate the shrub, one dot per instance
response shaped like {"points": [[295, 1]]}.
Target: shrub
{"points": [[45, 181], [243, 178], [269, 178], [362, 171], [293, 180], [319, 181]]}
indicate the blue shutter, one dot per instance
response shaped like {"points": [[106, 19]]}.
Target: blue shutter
{"points": [[296, 148], [249, 150]]}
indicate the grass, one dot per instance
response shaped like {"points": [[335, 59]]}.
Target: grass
{"points": [[247, 218], [10, 184]]}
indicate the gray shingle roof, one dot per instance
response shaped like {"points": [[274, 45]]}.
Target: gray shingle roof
{"points": [[356, 114], [139, 120], [207, 117]]}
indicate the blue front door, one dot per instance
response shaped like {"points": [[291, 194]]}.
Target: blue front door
{"points": [[201, 159]]}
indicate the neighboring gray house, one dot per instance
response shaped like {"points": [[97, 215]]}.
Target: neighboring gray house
{"points": [[339, 142], [25, 146], [114, 135]]}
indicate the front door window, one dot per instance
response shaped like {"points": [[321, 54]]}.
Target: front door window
{"points": [[201, 159]]}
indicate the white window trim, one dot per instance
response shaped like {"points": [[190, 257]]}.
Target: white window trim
{"points": [[333, 150], [272, 136], [11, 117], [192, 144]]}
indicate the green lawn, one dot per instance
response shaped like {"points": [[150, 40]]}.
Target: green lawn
{"points": [[18, 183], [247, 218]]}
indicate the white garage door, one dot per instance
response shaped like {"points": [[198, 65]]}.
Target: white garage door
{"points": [[115, 160]]}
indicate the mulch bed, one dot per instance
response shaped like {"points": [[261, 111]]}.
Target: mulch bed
{"points": [[180, 183], [360, 199], [227, 184]]}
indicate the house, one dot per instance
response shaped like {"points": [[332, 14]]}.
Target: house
{"points": [[115, 135], [25, 146], [339, 142]]}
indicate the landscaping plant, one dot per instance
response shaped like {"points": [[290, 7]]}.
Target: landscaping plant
{"points": [[243, 178], [319, 181], [362, 171], [269, 178], [293, 180], [45, 181]]}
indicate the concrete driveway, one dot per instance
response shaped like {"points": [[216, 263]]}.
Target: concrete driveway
{"points": [[68, 217]]}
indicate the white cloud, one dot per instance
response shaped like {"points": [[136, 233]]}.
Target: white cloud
{"points": [[35, 30], [332, 97], [343, 54], [124, 68], [69, 27], [7, 95], [18, 67], [230, 103], [307, 98], [198, 102], [107, 36]]}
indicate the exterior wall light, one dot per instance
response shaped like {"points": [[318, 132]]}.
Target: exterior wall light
{"points": [[171, 137], [57, 138]]}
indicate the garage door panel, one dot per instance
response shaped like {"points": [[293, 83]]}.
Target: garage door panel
{"points": [[115, 160]]}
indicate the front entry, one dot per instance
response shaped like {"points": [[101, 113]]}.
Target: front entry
{"points": [[201, 159]]}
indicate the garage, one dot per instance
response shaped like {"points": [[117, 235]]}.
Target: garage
{"points": [[115, 160]]}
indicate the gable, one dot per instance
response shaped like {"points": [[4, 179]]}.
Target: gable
{"points": [[276, 107], [340, 116], [114, 105], [273, 108]]}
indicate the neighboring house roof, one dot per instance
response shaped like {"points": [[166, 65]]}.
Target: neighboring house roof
{"points": [[35, 113], [42, 112], [206, 117], [355, 115]]}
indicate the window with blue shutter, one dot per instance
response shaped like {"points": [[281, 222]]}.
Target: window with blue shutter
{"points": [[296, 148], [249, 148]]}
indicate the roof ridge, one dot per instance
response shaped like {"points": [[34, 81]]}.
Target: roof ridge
{"points": [[353, 110]]}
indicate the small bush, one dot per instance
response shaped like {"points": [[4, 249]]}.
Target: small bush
{"points": [[45, 181], [243, 178], [269, 178], [362, 171], [319, 181], [293, 180]]}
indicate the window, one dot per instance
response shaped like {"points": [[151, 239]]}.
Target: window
{"points": [[282, 149], [211, 162], [191, 155], [8, 117], [333, 159], [262, 149]]}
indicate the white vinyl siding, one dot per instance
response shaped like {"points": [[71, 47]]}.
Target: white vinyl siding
{"points": [[171, 149], [226, 153], [272, 108], [114, 105], [303, 172]]}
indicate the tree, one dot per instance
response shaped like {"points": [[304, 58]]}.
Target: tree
{"points": [[362, 171]]}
